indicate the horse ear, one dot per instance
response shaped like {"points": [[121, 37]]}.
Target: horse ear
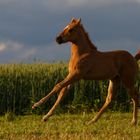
{"points": [[73, 20], [79, 21], [76, 21]]}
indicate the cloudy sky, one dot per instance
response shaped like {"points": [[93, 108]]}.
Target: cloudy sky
{"points": [[28, 27]]}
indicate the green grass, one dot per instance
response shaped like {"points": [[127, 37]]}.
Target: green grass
{"points": [[112, 126]]}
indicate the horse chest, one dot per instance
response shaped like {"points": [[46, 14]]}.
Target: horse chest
{"points": [[74, 61], [72, 66]]}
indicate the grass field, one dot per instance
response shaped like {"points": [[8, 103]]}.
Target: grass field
{"points": [[112, 126]]}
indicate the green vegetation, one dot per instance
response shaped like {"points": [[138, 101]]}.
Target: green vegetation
{"points": [[23, 84], [112, 126]]}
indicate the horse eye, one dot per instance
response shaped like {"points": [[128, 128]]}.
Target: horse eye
{"points": [[70, 30]]}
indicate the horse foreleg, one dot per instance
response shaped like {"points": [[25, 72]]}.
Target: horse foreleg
{"points": [[72, 77], [62, 93], [111, 89]]}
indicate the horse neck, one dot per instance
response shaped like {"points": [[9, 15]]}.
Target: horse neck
{"points": [[83, 43], [86, 36]]}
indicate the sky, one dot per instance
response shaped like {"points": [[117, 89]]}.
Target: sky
{"points": [[28, 28]]}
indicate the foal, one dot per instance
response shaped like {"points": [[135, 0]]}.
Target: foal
{"points": [[88, 63]]}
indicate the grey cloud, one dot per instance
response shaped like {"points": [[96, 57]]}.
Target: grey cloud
{"points": [[65, 5], [15, 52], [34, 24], [54, 52]]}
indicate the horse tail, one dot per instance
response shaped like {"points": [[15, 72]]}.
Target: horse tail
{"points": [[137, 56]]}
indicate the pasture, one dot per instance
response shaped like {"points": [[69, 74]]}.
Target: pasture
{"points": [[112, 126], [23, 84]]}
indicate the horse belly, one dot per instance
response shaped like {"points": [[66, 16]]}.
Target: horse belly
{"points": [[101, 73], [99, 77]]}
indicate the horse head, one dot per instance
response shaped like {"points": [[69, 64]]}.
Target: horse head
{"points": [[70, 32]]}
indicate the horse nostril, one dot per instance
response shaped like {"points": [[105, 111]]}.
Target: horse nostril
{"points": [[59, 39]]}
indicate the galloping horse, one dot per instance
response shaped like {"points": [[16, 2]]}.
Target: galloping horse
{"points": [[88, 63]]}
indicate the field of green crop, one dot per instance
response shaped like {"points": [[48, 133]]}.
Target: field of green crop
{"points": [[111, 126], [21, 85]]}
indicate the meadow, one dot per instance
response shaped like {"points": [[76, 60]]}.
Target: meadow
{"points": [[111, 126], [21, 85]]}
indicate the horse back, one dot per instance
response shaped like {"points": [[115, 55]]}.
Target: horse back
{"points": [[107, 65]]}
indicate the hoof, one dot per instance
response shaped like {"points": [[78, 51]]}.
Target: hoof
{"points": [[33, 107], [90, 122], [86, 123], [44, 119], [133, 122]]}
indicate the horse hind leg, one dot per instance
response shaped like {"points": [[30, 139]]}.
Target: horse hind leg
{"points": [[111, 90], [129, 84], [134, 95]]}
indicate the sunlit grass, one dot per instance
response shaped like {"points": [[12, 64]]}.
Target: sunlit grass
{"points": [[112, 126]]}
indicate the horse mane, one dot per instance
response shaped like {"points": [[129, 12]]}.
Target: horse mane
{"points": [[137, 56], [92, 46]]}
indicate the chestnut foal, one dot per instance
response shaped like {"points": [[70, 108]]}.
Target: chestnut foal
{"points": [[88, 63]]}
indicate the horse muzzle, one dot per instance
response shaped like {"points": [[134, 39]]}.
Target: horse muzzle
{"points": [[59, 40]]}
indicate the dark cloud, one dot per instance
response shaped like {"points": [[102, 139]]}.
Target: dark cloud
{"points": [[34, 24]]}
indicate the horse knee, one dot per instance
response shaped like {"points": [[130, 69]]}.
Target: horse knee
{"points": [[134, 95], [111, 90], [108, 100], [57, 87], [132, 92]]}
